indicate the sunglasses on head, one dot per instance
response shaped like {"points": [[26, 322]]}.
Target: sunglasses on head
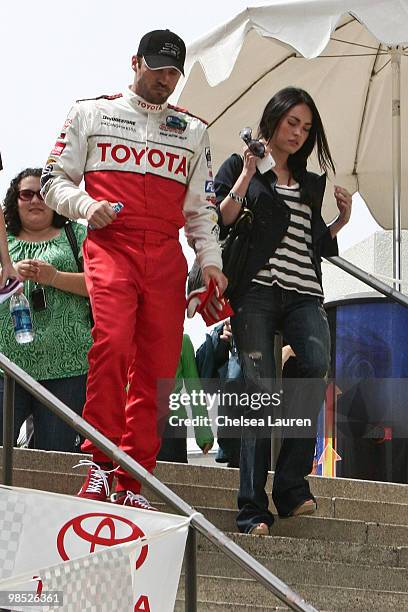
{"points": [[26, 195], [255, 146]]}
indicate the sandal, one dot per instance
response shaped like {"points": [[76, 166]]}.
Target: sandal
{"points": [[261, 529], [309, 506]]}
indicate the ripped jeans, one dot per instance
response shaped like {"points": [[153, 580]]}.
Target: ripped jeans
{"points": [[301, 319]]}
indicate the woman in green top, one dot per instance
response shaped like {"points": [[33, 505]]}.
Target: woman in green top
{"points": [[57, 357]]}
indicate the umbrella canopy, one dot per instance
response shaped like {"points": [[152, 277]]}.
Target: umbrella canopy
{"points": [[339, 51]]}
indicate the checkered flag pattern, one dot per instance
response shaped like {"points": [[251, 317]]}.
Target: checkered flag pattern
{"points": [[33, 535], [12, 511], [100, 582]]}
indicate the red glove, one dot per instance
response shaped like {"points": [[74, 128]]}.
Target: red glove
{"points": [[211, 307]]}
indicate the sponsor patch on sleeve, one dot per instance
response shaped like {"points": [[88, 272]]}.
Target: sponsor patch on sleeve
{"points": [[58, 148], [211, 199], [209, 186], [46, 177], [176, 123]]}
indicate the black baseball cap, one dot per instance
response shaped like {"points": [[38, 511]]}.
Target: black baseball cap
{"points": [[163, 49]]}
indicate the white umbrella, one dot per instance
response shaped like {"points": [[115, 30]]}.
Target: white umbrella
{"points": [[348, 54]]}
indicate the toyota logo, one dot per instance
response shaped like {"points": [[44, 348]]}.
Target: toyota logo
{"points": [[98, 529]]}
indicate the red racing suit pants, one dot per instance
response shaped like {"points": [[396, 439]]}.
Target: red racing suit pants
{"points": [[136, 283]]}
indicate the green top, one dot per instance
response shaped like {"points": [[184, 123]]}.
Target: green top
{"points": [[187, 373], [62, 332]]}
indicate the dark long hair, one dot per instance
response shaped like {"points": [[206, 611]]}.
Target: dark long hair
{"points": [[274, 112], [11, 214]]}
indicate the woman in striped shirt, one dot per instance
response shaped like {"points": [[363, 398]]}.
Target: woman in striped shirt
{"points": [[281, 290]]}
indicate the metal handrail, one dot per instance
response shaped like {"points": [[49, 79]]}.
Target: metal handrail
{"points": [[13, 373], [198, 522], [368, 279]]}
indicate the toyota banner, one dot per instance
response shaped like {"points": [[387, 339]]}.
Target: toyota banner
{"points": [[69, 554]]}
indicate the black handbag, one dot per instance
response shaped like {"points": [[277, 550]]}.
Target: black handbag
{"points": [[73, 243], [235, 250]]}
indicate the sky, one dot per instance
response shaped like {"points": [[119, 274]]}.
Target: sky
{"points": [[52, 54]]}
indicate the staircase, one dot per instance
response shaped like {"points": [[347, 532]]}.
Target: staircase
{"points": [[351, 555]]}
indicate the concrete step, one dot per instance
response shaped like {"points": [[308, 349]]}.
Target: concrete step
{"points": [[336, 507], [321, 487], [297, 571], [227, 478], [310, 527], [217, 497], [215, 606], [336, 599], [351, 555], [44, 460], [309, 538], [68, 484], [323, 551], [318, 528]]}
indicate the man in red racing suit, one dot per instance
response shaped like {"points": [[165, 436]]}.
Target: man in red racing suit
{"points": [[155, 159]]}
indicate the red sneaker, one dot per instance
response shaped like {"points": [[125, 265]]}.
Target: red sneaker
{"points": [[98, 482], [127, 498]]}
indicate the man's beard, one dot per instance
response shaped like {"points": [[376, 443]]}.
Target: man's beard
{"points": [[152, 96]]}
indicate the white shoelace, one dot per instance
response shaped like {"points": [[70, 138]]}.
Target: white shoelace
{"points": [[98, 477], [139, 499]]}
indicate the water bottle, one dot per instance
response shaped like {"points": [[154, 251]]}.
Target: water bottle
{"points": [[21, 318], [117, 207]]}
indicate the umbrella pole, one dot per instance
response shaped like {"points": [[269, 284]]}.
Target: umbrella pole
{"points": [[396, 164]]}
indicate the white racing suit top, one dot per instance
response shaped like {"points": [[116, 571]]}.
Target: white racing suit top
{"points": [[154, 158]]}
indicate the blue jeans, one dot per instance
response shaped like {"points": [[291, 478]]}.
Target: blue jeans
{"points": [[260, 313], [50, 432]]}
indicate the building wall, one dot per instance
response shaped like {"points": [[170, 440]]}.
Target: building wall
{"points": [[373, 255]]}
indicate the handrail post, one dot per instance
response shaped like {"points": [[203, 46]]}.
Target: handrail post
{"points": [[8, 429], [276, 439], [396, 53], [190, 571]]}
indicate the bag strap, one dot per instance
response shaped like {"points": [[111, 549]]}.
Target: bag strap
{"points": [[73, 243]]}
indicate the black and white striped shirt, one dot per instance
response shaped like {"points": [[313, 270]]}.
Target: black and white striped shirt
{"points": [[291, 265]]}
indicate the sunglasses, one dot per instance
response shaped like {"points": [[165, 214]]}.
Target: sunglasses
{"points": [[26, 195], [255, 146]]}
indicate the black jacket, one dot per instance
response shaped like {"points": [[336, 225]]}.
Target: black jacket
{"points": [[272, 215]]}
